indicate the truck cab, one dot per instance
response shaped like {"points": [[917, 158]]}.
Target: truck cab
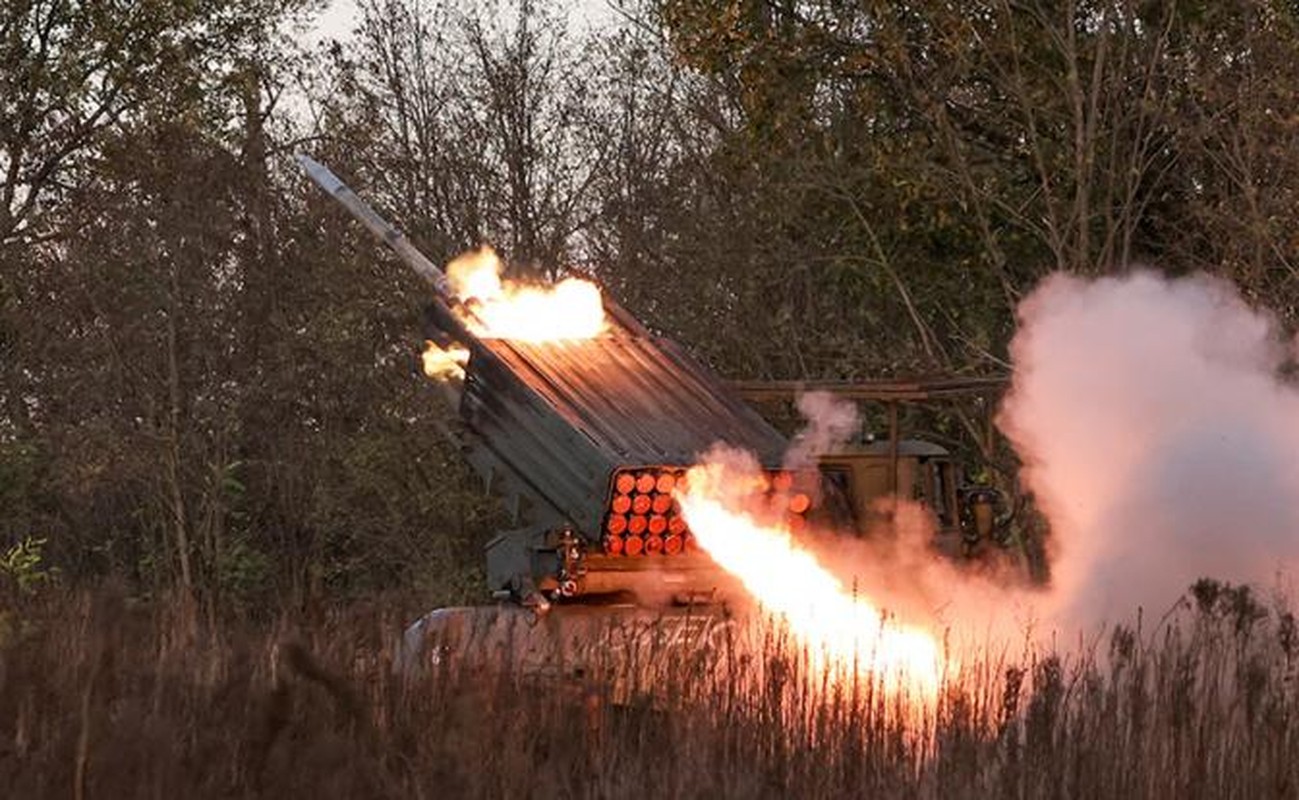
{"points": [[862, 477], [916, 470]]}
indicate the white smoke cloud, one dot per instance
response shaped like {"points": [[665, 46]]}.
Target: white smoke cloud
{"points": [[1157, 437], [831, 423]]}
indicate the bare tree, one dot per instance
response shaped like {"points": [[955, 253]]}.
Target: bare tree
{"points": [[470, 124]]}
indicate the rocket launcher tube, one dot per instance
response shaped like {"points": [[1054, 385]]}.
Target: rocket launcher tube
{"points": [[383, 230], [387, 233]]}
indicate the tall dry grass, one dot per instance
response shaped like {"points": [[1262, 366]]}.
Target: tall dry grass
{"points": [[100, 697]]}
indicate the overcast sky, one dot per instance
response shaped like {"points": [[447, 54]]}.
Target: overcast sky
{"points": [[338, 20]]}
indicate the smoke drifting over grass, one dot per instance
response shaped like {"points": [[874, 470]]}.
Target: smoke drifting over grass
{"points": [[1158, 438]]}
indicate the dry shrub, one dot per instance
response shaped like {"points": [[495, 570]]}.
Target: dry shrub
{"points": [[101, 697]]}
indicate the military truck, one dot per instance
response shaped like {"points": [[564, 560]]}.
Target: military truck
{"points": [[585, 440], [860, 475]]}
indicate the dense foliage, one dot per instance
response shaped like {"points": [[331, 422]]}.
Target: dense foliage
{"points": [[207, 373]]}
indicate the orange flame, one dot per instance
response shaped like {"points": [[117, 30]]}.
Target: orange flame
{"points": [[571, 309], [841, 631], [440, 364]]}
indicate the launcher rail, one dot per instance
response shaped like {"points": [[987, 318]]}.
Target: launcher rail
{"points": [[556, 426]]}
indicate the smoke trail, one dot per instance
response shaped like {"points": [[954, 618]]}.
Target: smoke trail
{"points": [[1157, 436], [831, 423]]}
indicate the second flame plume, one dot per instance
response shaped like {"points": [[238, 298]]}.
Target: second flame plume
{"points": [[843, 633]]}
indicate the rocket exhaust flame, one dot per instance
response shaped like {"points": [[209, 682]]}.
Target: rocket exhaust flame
{"points": [[844, 634], [501, 309], [444, 364], [493, 308], [571, 309]]}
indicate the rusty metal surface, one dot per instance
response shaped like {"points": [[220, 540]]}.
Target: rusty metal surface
{"points": [[874, 390], [639, 398], [563, 415]]}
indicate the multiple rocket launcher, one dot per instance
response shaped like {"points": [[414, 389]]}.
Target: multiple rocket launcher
{"points": [[644, 518], [586, 439]]}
